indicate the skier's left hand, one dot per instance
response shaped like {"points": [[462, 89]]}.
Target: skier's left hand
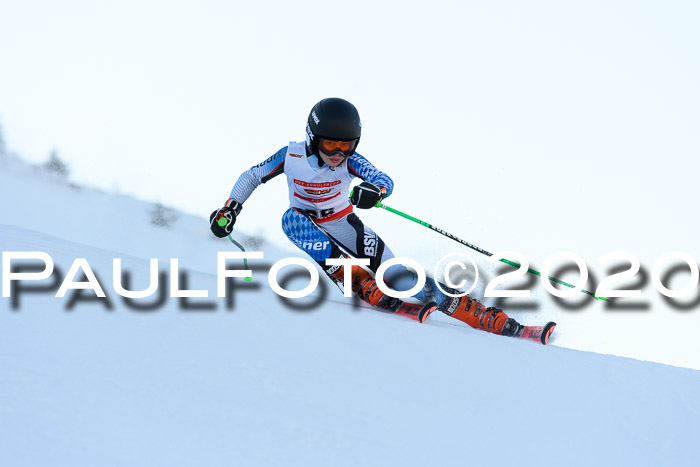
{"points": [[221, 221], [366, 195]]}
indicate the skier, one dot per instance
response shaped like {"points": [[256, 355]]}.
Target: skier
{"points": [[321, 219]]}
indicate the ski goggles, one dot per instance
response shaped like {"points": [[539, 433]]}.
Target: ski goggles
{"points": [[347, 148]]}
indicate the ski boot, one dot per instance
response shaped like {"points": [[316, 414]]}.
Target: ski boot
{"points": [[366, 287], [493, 319], [476, 315]]}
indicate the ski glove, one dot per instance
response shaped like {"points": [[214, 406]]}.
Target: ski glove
{"points": [[366, 195], [221, 221]]}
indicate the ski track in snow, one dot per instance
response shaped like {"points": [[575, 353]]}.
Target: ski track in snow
{"points": [[261, 384]]}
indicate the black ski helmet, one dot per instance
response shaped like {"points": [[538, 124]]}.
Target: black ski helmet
{"points": [[332, 118]]}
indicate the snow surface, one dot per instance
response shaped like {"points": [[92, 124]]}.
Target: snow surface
{"points": [[197, 382]]}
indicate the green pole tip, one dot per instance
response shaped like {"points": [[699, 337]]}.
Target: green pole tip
{"points": [[222, 222]]}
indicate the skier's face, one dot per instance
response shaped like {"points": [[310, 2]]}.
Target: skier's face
{"points": [[334, 160]]}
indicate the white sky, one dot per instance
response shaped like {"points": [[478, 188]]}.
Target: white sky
{"points": [[569, 120]]}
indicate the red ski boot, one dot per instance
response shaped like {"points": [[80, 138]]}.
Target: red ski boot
{"points": [[366, 287], [476, 315], [493, 319]]}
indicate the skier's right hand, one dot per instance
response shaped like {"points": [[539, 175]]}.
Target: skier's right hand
{"points": [[366, 195], [221, 221]]}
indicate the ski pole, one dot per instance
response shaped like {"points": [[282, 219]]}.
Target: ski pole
{"points": [[222, 223], [480, 250]]}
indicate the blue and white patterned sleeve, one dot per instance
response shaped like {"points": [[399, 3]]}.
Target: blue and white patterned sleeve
{"points": [[261, 173], [362, 168]]}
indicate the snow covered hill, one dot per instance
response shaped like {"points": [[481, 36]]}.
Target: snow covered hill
{"points": [[206, 382]]}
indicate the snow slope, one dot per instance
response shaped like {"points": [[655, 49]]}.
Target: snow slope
{"points": [[259, 383]]}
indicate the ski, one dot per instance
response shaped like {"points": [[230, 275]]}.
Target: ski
{"points": [[416, 312], [538, 333]]}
